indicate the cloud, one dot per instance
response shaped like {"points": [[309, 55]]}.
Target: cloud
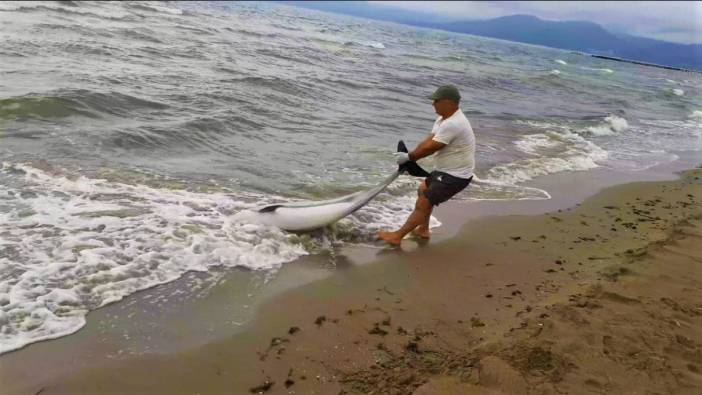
{"points": [[679, 21]]}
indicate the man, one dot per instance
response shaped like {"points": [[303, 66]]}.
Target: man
{"points": [[453, 141]]}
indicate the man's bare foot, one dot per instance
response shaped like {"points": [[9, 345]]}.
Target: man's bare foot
{"points": [[390, 238], [423, 233]]}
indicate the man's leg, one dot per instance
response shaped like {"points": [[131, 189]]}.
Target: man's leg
{"points": [[419, 217], [423, 229]]}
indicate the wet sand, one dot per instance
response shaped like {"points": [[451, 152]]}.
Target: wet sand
{"points": [[604, 297]]}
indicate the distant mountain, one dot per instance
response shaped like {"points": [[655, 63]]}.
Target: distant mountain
{"points": [[371, 11], [582, 36], [572, 35]]}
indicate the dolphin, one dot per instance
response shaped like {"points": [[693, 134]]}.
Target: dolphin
{"points": [[303, 216]]}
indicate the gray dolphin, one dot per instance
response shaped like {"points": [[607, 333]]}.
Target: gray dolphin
{"points": [[303, 216]]}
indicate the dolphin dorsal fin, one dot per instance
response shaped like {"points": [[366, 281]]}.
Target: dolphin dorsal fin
{"points": [[401, 147], [270, 208]]}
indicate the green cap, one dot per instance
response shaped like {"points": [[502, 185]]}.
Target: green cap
{"points": [[446, 92]]}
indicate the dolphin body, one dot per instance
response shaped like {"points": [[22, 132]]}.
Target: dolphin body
{"points": [[303, 216]]}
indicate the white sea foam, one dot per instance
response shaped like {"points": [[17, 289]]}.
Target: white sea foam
{"points": [[495, 190], [606, 71], [73, 244], [534, 144], [613, 124], [555, 72], [600, 130], [560, 62], [558, 149], [618, 124], [525, 170], [377, 45], [697, 115], [678, 92]]}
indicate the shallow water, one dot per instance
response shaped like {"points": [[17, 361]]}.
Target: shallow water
{"points": [[131, 134]]}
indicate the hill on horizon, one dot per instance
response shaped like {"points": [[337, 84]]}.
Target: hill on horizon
{"points": [[580, 36]]}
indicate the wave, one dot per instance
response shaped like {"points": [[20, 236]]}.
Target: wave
{"points": [[652, 142], [492, 190], [42, 108], [344, 83], [668, 80], [69, 102], [606, 71], [576, 154], [113, 103], [557, 148], [297, 89], [156, 8], [613, 124], [673, 135], [559, 61], [647, 143], [82, 243], [252, 33], [142, 34], [73, 244], [278, 54], [200, 134], [64, 8], [678, 92], [94, 242], [377, 45], [535, 144]]}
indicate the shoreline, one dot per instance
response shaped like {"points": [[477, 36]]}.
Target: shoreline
{"points": [[124, 329], [390, 284]]}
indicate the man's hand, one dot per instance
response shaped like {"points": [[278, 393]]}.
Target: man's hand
{"points": [[401, 157]]}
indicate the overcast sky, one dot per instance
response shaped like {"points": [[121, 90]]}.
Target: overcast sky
{"points": [[677, 21]]}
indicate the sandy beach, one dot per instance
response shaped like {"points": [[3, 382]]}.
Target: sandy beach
{"points": [[603, 297]]}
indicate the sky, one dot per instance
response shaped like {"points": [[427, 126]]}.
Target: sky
{"points": [[675, 21]]}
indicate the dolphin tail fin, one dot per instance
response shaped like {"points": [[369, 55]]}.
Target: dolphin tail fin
{"points": [[411, 167]]}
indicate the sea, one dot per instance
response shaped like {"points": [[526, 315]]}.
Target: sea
{"points": [[133, 135]]}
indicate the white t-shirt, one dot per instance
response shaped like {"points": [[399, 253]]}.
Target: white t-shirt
{"points": [[457, 158]]}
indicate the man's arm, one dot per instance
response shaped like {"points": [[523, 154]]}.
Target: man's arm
{"points": [[427, 147]]}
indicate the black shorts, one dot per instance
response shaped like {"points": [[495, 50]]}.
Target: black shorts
{"points": [[442, 186]]}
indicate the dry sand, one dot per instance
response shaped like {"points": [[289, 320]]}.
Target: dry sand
{"points": [[602, 298]]}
